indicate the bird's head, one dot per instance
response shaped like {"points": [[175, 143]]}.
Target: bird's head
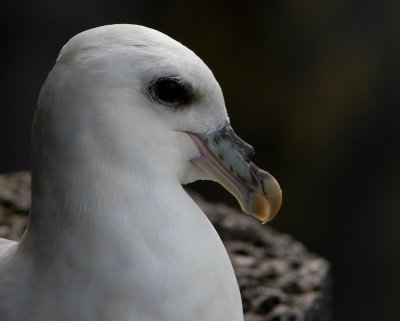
{"points": [[129, 96]]}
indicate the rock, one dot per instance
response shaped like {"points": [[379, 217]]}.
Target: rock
{"points": [[15, 200], [279, 279], [15, 191]]}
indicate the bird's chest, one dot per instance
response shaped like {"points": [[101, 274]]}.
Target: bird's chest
{"points": [[191, 282], [176, 277]]}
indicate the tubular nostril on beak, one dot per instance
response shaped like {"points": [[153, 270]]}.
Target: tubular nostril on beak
{"points": [[246, 150], [248, 153]]}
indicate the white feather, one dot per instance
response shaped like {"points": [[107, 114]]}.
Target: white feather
{"points": [[112, 234]]}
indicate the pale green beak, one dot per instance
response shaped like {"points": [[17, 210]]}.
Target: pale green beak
{"points": [[226, 158]]}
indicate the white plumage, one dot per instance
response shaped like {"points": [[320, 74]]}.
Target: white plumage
{"points": [[112, 234]]}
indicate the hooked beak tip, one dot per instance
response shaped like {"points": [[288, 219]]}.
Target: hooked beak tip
{"points": [[275, 202], [265, 205], [224, 156]]}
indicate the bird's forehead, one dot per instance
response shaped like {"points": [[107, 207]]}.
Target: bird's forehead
{"points": [[131, 43], [130, 53]]}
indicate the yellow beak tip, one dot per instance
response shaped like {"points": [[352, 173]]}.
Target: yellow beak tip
{"points": [[263, 207]]}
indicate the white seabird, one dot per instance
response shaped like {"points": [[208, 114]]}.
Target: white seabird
{"points": [[126, 116]]}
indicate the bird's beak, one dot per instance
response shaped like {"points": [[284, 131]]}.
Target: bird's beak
{"points": [[226, 158]]}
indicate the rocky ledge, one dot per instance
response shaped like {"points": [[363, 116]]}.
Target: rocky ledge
{"points": [[279, 279]]}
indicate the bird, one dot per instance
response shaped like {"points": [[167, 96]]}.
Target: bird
{"points": [[126, 117]]}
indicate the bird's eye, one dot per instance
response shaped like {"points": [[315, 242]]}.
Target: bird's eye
{"points": [[170, 91]]}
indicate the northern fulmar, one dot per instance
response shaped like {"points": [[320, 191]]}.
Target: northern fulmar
{"points": [[127, 116]]}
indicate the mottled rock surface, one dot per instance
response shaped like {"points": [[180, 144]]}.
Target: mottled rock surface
{"points": [[279, 279], [15, 200]]}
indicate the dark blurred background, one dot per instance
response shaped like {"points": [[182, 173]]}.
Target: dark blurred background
{"points": [[312, 85]]}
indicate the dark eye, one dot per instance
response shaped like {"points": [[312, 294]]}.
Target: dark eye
{"points": [[170, 91]]}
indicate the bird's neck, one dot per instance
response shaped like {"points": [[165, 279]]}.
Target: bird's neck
{"points": [[115, 233], [82, 208]]}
